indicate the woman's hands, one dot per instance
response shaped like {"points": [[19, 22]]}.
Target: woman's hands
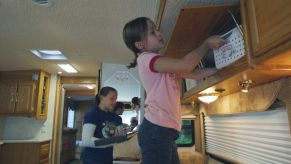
{"points": [[215, 42]]}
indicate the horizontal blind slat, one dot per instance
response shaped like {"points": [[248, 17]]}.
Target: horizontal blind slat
{"points": [[262, 137]]}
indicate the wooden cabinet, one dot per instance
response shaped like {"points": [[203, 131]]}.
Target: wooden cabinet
{"points": [[7, 94], [16, 97], [266, 33], [268, 25], [43, 93], [68, 145], [24, 93], [24, 153]]}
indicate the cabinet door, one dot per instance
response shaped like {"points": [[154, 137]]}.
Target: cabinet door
{"points": [[7, 97], [25, 97], [43, 94], [269, 24]]}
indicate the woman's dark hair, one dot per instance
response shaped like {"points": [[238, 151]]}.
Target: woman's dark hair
{"points": [[135, 101], [103, 92], [134, 31], [118, 105]]}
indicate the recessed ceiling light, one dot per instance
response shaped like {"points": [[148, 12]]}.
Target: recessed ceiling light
{"points": [[68, 68], [45, 3], [89, 86], [60, 72], [49, 54]]}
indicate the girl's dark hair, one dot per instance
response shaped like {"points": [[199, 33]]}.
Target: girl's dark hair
{"points": [[135, 100], [134, 31], [118, 105], [103, 92]]}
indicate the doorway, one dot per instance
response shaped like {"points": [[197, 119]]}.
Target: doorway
{"points": [[78, 97]]}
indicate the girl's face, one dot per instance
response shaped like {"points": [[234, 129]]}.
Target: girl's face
{"points": [[109, 100], [154, 41]]}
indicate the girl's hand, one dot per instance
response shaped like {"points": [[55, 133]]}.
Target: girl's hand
{"points": [[215, 42]]}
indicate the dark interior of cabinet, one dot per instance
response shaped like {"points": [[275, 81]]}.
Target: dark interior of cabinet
{"points": [[195, 24], [222, 28]]}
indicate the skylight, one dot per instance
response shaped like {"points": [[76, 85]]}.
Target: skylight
{"points": [[49, 54]]}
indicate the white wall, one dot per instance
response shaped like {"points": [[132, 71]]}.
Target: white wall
{"points": [[126, 81], [30, 128]]}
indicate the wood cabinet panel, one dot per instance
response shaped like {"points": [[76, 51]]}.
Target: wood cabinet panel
{"points": [[68, 145], [24, 93], [43, 95], [24, 153], [266, 32], [25, 97], [16, 97], [269, 25], [7, 96]]}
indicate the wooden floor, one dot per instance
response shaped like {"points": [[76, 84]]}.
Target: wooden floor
{"points": [[186, 155], [189, 156]]}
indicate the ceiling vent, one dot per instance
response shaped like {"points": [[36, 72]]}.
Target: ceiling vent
{"points": [[45, 3]]}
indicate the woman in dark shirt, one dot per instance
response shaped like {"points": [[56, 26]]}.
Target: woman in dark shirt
{"points": [[99, 123]]}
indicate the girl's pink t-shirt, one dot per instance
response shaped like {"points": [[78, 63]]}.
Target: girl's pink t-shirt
{"points": [[163, 93]]}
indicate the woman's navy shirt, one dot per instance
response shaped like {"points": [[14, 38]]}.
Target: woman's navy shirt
{"points": [[99, 118]]}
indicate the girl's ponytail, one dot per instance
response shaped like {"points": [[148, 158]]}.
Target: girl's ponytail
{"points": [[133, 63]]}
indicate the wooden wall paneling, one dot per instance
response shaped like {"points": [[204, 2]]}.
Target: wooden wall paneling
{"points": [[24, 153], [19, 75], [258, 99], [188, 110], [80, 92], [203, 148], [56, 123], [198, 141], [285, 96], [230, 77], [79, 80]]}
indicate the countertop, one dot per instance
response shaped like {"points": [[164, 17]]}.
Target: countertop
{"points": [[24, 141]]}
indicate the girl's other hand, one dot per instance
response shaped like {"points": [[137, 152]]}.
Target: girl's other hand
{"points": [[215, 42]]}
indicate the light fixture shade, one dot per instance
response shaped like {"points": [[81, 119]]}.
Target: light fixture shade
{"points": [[68, 68], [208, 98]]}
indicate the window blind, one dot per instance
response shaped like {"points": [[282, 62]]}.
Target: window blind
{"points": [[260, 137]]}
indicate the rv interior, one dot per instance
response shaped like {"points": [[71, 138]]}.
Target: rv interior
{"points": [[241, 114]]}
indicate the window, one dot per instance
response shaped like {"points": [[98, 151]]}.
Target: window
{"points": [[71, 118], [186, 136], [127, 115]]}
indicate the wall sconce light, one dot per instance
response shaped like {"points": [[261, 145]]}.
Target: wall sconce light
{"points": [[245, 84], [208, 97]]}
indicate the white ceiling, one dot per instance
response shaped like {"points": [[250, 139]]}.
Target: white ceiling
{"points": [[88, 32]]}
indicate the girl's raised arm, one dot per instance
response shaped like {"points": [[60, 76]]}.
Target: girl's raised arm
{"points": [[188, 63]]}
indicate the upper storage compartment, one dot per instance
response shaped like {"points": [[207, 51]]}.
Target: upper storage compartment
{"points": [[24, 93], [195, 24], [266, 56], [268, 26]]}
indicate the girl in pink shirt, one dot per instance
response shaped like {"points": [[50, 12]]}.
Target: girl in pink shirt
{"points": [[159, 76]]}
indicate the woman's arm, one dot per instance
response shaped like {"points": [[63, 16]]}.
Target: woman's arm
{"points": [[198, 74], [87, 137], [190, 61]]}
